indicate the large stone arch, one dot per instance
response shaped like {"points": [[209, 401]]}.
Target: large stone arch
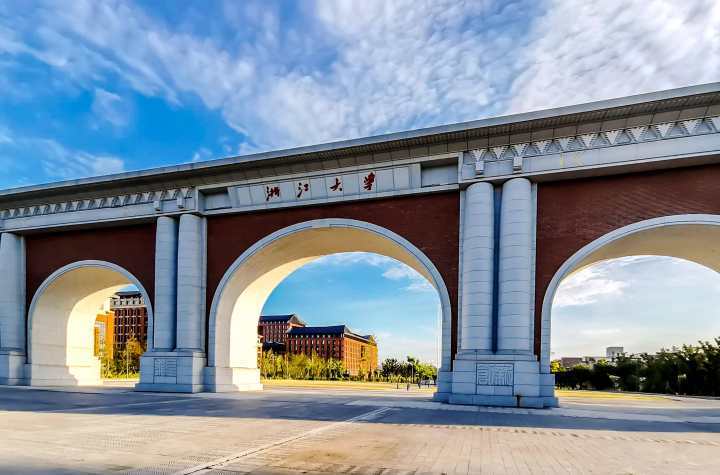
{"points": [[61, 317], [247, 283], [693, 237]]}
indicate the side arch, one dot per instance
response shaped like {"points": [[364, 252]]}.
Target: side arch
{"points": [[61, 318], [693, 237], [251, 278]]}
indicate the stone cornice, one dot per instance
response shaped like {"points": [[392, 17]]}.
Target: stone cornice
{"points": [[161, 201], [517, 153], [383, 148]]}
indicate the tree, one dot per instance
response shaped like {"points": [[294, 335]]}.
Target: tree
{"points": [[690, 369], [556, 366], [131, 355]]}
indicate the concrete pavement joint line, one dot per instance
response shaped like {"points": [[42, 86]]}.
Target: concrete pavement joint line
{"points": [[539, 412], [230, 458]]}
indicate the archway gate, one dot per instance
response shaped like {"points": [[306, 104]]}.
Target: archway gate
{"points": [[494, 213]]}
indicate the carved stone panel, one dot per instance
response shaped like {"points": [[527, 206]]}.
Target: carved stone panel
{"points": [[165, 367], [494, 374]]}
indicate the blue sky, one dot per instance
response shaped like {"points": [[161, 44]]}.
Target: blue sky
{"points": [[372, 294], [93, 87]]}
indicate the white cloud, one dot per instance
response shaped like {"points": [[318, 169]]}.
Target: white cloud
{"points": [[394, 269], [5, 136], [55, 160], [399, 272], [109, 107], [416, 282], [62, 163], [587, 287], [350, 258], [583, 51], [351, 69], [201, 154], [104, 165]]}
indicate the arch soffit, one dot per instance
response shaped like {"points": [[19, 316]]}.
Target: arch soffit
{"points": [[680, 236], [423, 265], [59, 273]]}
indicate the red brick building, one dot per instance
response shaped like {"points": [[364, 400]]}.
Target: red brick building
{"points": [[273, 329], [131, 318], [357, 352]]}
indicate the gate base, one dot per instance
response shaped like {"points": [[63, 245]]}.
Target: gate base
{"points": [[172, 372], [12, 368], [501, 380]]}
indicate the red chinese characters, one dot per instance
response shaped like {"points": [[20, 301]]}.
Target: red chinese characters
{"points": [[369, 181], [272, 192], [302, 188], [337, 186]]}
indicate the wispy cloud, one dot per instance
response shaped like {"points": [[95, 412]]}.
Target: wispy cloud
{"points": [[393, 269], [63, 163], [201, 154], [614, 48], [55, 160], [110, 108], [587, 287], [350, 258], [5, 137], [416, 282], [344, 69]]}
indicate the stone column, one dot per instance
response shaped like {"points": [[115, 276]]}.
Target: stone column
{"points": [[515, 273], [177, 362], [166, 261], [476, 310], [191, 283], [477, 269], [12, 309]]}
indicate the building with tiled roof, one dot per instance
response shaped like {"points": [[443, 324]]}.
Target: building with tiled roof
{"points": [[357, 352], [273, 329]]}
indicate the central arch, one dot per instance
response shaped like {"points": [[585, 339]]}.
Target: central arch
{"points": [[61, 318], [693, 237], [246, 285]]}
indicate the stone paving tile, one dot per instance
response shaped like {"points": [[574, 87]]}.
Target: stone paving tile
{"points": [[310, 437]]}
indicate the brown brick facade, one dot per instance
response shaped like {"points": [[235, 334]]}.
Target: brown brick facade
{"points": [[358, 355], [430, 222], [130, 247], [574, 213]]}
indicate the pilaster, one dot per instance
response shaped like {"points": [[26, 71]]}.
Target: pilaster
{"points": [[477, 269], [12, 309], [165, 303], [515, 272], [191, 283], [495, 364], [178, 360]]}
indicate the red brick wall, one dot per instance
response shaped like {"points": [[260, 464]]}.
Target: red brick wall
{"points": [[130, 247], [573, 213], [430, 222]]}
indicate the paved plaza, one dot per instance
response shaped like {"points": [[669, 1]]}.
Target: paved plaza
{"points": [[321, 431]]}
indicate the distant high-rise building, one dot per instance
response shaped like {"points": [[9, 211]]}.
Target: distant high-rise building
{"points": [[612, 352]]}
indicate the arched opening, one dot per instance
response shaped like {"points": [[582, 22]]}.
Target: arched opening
{"points": [[245, 287], [690, 241], [61, 323]]}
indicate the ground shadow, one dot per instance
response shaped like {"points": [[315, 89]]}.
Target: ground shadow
{"points": [[277, 406]]}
